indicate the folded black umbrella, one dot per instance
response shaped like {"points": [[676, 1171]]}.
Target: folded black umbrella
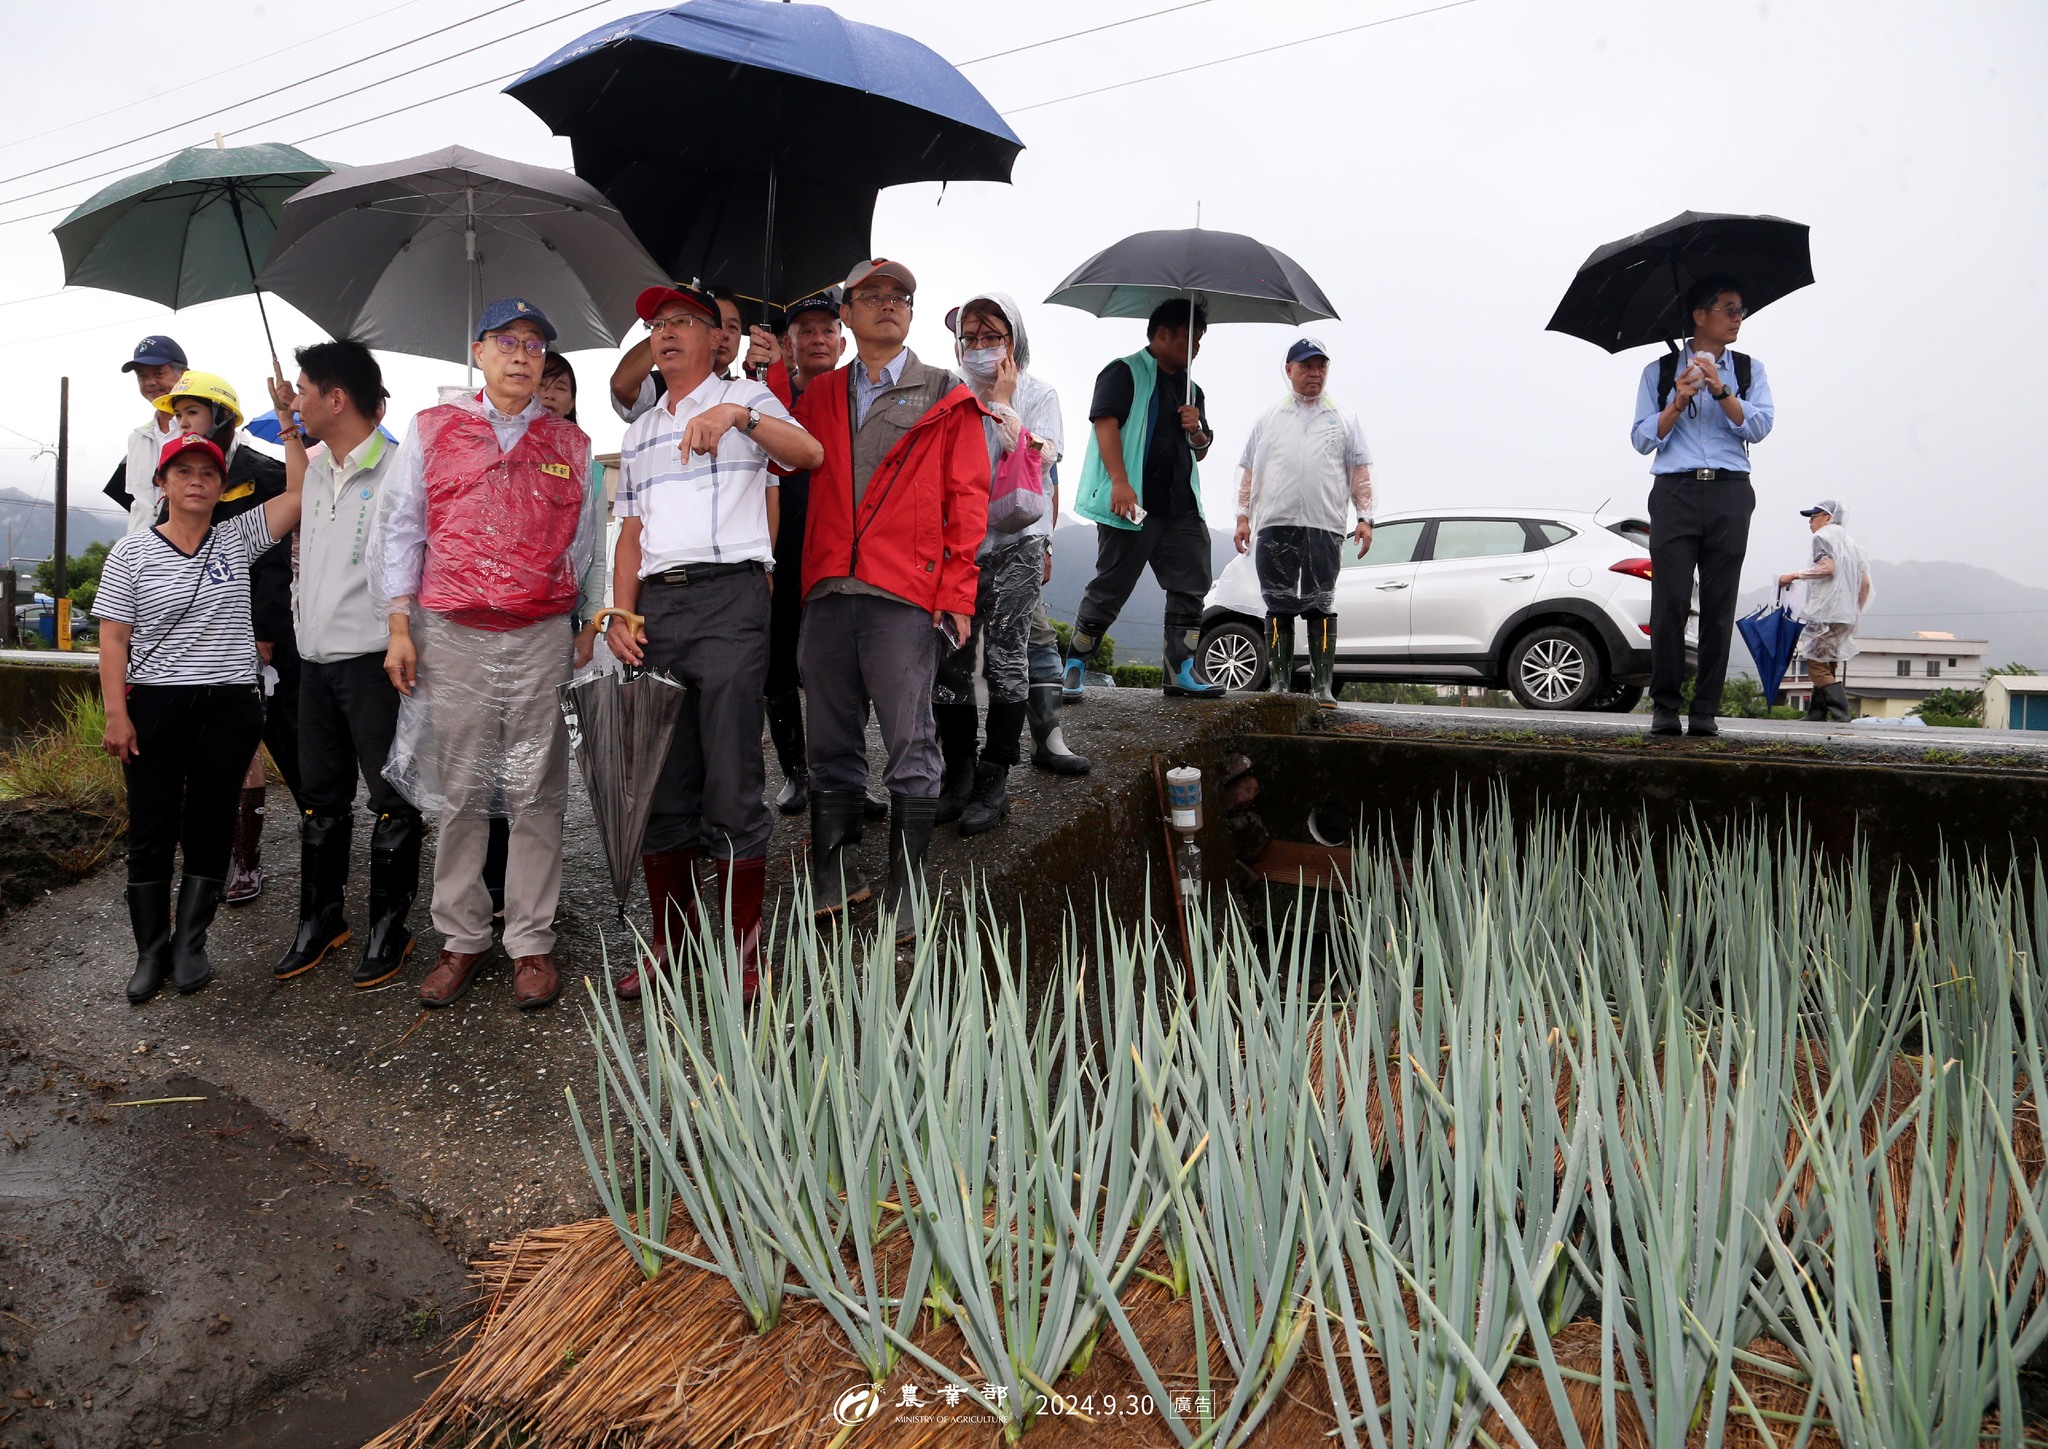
{"points": [[1631, 293]]}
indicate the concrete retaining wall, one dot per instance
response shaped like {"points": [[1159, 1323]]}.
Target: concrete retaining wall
{"points": [[33, 695]]}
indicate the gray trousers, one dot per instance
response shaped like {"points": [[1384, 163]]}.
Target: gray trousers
{"points": [[1177, 548], [499, 747], [858, 648], [712, 638]]}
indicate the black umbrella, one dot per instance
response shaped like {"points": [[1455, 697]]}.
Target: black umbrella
{"points": [[1235, 278], [754, 105], [1631, 293]]}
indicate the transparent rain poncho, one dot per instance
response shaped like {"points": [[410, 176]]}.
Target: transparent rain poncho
{"points": [[1838, 590], [487, 525]]}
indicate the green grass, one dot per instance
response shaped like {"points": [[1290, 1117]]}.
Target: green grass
{"points": [[66, 766]]}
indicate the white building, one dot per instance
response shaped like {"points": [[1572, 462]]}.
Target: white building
{"points": [[1892, 674]]}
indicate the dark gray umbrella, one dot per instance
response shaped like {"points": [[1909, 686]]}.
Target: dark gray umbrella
{"points": [[1631, 293], [404, 256], [1234, 278], [620, 727]]}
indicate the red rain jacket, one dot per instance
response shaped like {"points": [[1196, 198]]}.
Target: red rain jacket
{"points": [[925, 509], [499, 525]]}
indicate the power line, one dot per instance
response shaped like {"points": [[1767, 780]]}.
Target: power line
{"points": [[1242, 55], [202, 80], [1076, 34], [300, 110], [263, 96]]}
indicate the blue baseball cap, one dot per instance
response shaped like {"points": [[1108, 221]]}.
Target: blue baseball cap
{"points": [[507, 310], [156, 352], [1308, 347]]}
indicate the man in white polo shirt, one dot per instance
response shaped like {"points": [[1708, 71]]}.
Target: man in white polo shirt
{"points": [[348, 709], [158, 364], [1305, 482], [696, 555]]}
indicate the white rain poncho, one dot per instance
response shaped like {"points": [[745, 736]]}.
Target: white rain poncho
{"points": [[1838, 590], [1038, 410]]}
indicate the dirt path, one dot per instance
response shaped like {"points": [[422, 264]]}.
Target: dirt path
{"points": [[168, 1268]]}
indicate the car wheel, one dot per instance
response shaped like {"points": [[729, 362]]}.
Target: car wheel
{"points": [[1616, 699], [1555, 667], [1234, 656]]}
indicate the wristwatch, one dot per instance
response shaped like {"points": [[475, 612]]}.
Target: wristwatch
{"points": [[753, 419], [1722, 395]]}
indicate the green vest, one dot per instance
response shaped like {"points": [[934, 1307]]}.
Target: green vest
{"points": [[1091, 500]]}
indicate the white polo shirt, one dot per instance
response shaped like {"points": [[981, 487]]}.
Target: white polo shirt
{"points": [[1300, 455], [706, 508], [332, 611]]}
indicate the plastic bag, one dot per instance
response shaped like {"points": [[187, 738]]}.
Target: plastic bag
{"points": [[1016, 497]]}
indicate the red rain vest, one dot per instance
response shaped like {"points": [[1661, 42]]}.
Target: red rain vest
{"points": [[499, 525]]}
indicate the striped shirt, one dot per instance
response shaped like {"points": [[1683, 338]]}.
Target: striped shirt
{"points": [[189, 612], [708, 507]]}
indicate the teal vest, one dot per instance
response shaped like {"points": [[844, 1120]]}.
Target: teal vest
{"points": [[1091, 500]]}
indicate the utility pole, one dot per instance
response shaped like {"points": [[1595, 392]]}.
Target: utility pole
{"points": [[60, 542]]}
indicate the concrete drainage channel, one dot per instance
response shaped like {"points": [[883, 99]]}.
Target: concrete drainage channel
{"points": [[276, 1262]]}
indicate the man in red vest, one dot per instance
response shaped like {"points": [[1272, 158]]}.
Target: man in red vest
{"points": [[896, 512], [483, 532]]}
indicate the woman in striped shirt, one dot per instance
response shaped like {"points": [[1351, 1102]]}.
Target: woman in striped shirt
{"points": [[178, 671]]}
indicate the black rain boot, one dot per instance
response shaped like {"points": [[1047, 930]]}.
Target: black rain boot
{"points": [[1817, 704], [323, 883], [836, 881], [149, 916], [1838, 703], [1049, 740], [1081, 647], [910, 833], [956, 725], [1322, 660], [245, 863], [1184, 678], [394, 886], [198, 899], [786, 729], [1280, 652], [989, 805]]}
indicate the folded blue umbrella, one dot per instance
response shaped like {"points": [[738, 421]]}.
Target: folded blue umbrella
{"points": [[268, 428], [1772, 633]]}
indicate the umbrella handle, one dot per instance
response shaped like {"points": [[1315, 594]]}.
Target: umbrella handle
{"points": [[633, 620]]}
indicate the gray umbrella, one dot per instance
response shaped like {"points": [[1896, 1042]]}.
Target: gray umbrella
{"points": [[620, 727], [1235, 278], [403, 256]]}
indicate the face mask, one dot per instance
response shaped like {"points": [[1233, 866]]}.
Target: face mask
{"points": [[981, 362]]}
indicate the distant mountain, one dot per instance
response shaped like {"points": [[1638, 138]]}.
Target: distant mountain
{"points": [[1960, 599], [1140, 631], [28, 521]]}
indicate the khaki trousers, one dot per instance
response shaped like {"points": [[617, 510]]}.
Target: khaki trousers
{"points": [[498, 748]]}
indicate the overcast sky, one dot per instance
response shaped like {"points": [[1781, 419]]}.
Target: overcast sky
{"points": [[1441, 176]]}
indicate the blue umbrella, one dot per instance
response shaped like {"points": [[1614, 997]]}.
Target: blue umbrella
{"points": [[268, 428], [794, 114], [1772, 633]]}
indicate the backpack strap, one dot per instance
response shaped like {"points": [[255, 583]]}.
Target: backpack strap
{"points": [[1667, 379], [1742, 373]]}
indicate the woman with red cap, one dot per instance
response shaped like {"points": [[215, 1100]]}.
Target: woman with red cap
{"points": [[179, 672]]}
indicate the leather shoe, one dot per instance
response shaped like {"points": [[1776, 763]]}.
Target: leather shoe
{"points": [[1665, 722], [535, 981], [1702, 728], [453, 973]]}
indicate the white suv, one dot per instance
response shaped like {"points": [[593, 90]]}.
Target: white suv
{"points": [[1549, 603]]}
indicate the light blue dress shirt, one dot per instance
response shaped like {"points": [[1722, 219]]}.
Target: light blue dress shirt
{"points": [[1703, 437], [865, 392]]}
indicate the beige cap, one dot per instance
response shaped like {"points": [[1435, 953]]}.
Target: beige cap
{"points": [[880, 267]]}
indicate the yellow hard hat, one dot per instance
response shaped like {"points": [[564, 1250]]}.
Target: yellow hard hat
{"points": [[207, 388]]}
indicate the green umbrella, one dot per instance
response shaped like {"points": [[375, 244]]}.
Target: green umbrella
{"points": [[192, 229]]}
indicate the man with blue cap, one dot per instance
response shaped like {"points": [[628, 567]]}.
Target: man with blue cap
{"points": [[158, 364], [1304, 482], [483, 533]]}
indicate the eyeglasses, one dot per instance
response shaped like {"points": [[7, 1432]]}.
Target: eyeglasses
{"points": [[505, 342], [983, 339], [882, 299], [679, 322], [1731, 309]]}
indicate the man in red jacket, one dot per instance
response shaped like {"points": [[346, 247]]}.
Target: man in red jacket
{"points": [[896, 513]]}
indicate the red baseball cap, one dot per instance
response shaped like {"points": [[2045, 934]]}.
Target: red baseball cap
{"points": [[187, 444], [650, 303]]}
